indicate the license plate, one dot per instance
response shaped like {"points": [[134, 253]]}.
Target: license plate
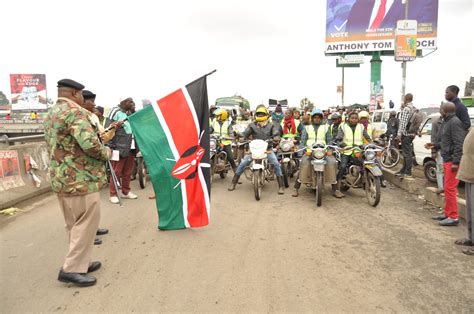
{"points": [[318, 167]]}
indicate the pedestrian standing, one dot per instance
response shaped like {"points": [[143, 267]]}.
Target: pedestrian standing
{"points": [[451, 94], [450, 139], [436, 153], [466, 174], [122, 144], [77, 172], [406, 137]]}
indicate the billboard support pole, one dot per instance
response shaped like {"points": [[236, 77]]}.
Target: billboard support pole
{"points": [[342, 94], [404, 63], [375, 75]]}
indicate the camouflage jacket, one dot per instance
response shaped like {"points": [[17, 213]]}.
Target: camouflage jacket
{"points": [[77, 156]]}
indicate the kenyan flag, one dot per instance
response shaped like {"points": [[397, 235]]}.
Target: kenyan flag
{"points": [[173, 136]]}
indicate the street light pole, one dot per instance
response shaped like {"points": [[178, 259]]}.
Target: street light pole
{"points": [[404, 63]]}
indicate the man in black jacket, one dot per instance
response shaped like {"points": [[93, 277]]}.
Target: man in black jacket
{"points": [[451, 95], [450, 141]]}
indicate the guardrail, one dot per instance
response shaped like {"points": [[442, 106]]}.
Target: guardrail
{"points": [[5, 140]]}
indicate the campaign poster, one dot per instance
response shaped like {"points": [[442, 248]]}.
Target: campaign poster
{"points": [[405, 40], [28, 92], [10, 170], [369, 25]]}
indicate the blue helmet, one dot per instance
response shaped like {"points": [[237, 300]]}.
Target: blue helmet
{"points": [[316, 111]]}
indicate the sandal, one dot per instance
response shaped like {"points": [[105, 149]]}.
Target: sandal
{"points": [[469, 251], [464, 242]]}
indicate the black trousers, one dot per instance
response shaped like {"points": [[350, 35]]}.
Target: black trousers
{"points": [[230, 156], [407, 152], [342, 166]]}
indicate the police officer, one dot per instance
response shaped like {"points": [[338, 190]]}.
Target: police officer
{"points": [[261, 129], [222, 127], [77, 172]]}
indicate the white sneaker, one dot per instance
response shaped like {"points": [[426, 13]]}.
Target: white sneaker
{"points": [[114, 199], [130, 196]]}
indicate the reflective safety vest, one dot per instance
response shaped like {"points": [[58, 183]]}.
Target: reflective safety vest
{"points": [[222, 130], [331, 128], [319, 138], [351, 138], [290, 135]]}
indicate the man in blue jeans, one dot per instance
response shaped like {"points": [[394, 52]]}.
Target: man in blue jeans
{"points": [[261, 129]]}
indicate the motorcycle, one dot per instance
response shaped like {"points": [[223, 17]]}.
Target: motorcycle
{"points": [[259, 170], [289, 161], [219, 163], [319, 159], [364, 172]]}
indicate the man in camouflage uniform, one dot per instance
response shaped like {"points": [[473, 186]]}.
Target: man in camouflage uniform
{"points": [[77, 172]]}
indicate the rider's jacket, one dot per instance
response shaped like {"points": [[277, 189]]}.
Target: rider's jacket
{"points": [[260, 131], [223, 129], [315, 133], [290, 134]]}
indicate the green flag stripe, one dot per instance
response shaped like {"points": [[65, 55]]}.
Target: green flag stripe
{"points": [[156, 150]]}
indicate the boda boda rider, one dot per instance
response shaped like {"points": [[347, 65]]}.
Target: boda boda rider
{"points": [[291, 127], [364, 120], [316, 132], [261, 129], [222, 127], [351, 134]]}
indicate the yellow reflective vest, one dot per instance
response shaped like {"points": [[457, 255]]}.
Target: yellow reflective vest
{"points": [[352, 138], [319, 138], [222, 130]]}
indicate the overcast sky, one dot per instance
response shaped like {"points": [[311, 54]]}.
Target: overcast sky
{"points": [[261, 50]]}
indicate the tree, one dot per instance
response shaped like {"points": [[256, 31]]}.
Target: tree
{"points": [[3, 99], [306, 102]]}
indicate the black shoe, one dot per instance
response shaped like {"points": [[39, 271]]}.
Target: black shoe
{"points": [[383, 184], [93, 267], [102, 231], [81, 280], [439, 217], [97, 241]]}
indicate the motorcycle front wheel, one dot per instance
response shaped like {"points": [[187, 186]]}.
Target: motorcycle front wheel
{"points": [[373, 189], [257, 187], [319, 188]]}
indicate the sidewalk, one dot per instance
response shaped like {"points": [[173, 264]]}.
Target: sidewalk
{"points": [[426, 190]]}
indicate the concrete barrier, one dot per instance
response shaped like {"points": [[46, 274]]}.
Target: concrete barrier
{"points": [[36, 179], [418, 186]]}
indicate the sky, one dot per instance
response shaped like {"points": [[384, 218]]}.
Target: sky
{"points": [[261, 49]]}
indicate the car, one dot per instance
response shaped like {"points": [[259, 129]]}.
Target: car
{"points": [[379, 120], [423, 155]]}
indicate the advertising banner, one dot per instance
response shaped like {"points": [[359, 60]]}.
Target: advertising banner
{"points": [[28, 92], [369, 25], [10, 176], [405, 40]]}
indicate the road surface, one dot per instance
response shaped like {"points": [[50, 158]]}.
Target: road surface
{"points": [[279, 254]]}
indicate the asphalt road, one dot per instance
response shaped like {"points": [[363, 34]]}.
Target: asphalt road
{"points": [[279, 254]]}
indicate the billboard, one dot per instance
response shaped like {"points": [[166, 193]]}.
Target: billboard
{"points": [[28, 92], [369, 25]]}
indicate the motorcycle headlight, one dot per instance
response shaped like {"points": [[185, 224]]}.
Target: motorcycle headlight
{"points": [[319, 153], [370, 155], [212, 145], [285, 147]]}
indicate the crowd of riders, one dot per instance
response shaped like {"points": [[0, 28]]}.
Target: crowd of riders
{"points": [[338, 127]]}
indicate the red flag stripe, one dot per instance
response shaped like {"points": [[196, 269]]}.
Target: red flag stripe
{"points": [[177, 113]]}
